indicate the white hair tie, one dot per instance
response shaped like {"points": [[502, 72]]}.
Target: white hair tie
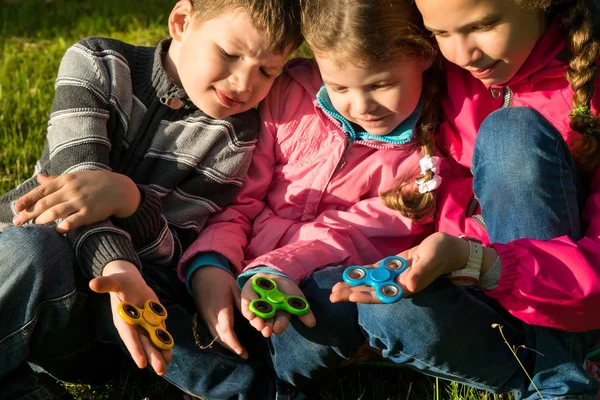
{"points": [[429, 163], [430, 185]]}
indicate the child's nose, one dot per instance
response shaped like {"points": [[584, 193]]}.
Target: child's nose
{"points": [[466, 51], [243, 79], [363, 104]]}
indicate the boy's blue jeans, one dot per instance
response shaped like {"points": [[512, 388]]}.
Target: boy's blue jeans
{"points": [[446, 331], [48, 316]]}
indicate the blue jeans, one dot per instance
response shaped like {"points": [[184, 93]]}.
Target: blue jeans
{"points": [[303, 355], [446, 331], [50, 318]]}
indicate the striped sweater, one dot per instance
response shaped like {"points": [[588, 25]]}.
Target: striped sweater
{"points": [[109, 113]]}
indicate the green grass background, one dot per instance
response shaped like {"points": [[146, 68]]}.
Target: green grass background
{"points": [[34, 34]]}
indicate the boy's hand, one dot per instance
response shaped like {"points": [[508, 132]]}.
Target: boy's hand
{"points": [[215, 294], [279, 323], [82, 198], [437, 255], [123, 282]]}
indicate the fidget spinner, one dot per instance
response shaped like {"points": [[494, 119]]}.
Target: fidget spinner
{"points": [[271, 300], [148, 318], [382, 278]]}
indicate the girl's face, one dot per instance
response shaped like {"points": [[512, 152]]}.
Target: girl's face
{"points": [[489, 38], [377, 97]]}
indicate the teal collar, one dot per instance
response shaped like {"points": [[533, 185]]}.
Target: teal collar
{"points": [[403, 133]]}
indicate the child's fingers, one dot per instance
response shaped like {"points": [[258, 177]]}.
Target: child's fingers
{"points": [[153, 355], [281, 322], [45, 179], [71, 222], [167, 355], [267, 331], [417, 277], [226, 333], [257, 323], [34, 210], [131, 340], [55, 212], [35, 195], [308, 319], [105, 284], [247, 295], [365, 297], [341, 291]]}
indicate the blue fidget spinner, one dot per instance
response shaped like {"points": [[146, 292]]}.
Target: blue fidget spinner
{"points": [[382, 278]]}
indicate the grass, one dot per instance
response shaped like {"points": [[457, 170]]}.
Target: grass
{"points": [[35, 34]]}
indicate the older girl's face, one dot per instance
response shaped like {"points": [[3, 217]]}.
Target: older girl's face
{"points": [[489, 38]]}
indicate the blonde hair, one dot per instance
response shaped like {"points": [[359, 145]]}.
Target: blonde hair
{"points": [[278, 19], [581, 74], [382, 31]]}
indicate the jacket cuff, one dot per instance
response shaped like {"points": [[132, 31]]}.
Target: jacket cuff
{"points": [[96, 248], [211, 258], [510, 270], [147, 222]]}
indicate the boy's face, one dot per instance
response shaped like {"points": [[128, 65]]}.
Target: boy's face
{"points": [[222, 63], [489, 38], [377, 97]]}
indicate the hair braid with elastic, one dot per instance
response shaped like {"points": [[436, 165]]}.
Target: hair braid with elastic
{"points": [[405, 197], [581, 74]]}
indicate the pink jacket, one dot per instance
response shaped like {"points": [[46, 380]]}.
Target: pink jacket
{"points": [[553, 283], [311, 196]]}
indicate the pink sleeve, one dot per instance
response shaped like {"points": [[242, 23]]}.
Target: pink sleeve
{"points": [[363, 234], [227, 232], [555, 283]]}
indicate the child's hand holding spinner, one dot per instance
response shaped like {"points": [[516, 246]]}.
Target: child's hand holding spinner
{"points": [[382, 278], [149, 318], [271, 300]]}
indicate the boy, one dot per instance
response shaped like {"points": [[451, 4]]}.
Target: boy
{"points": [[176, 126]]}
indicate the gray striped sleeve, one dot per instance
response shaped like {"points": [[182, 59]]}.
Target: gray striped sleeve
{"points": [[90, 86]]}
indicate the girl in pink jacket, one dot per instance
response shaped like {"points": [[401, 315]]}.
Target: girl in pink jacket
{"points": [[332, 142], [521, 126]]}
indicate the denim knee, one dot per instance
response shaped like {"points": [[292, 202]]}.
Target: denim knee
{"points": [[512, 147], [34, 258], [301, 354], [37, 291], [525, 178], [430, 331]]}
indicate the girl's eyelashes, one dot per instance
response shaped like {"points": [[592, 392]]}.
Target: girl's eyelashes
{"points": [[338, 89], [481, 28], [438, 33], [381, 85]]}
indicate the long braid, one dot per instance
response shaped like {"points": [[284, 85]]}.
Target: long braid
{"points": [[405, 197], [581, 74]]}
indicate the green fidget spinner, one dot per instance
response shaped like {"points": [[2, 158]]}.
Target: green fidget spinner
{"points": [[271, 300]]}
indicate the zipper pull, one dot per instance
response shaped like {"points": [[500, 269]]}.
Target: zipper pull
{"points": [[172, 102], [343, 161]]}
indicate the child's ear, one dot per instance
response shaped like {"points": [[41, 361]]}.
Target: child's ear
{"points": [[180, 19], [427, 62]]}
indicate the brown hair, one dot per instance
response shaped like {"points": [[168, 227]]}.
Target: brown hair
{"points": [[581, 74], [380, 31], [278, 19]]}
